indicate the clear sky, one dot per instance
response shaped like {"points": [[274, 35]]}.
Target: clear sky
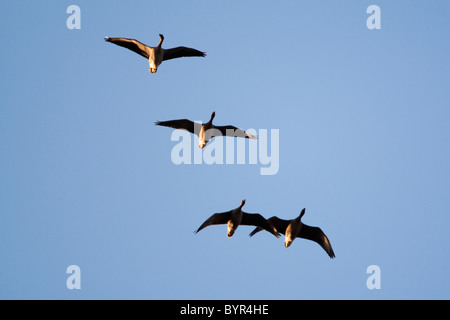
{"points": [[87, 179]]}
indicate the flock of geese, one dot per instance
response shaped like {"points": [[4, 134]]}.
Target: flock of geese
{"points": [[291, 229]]}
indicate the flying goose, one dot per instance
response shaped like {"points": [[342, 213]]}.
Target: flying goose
{"points": [[155, 55], [236, 217], [207, 131], [296, 229]]}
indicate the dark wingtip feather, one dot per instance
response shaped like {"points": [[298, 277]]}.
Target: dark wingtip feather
{"points": [[251, 234]]}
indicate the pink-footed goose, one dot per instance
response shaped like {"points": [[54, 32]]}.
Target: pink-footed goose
{"points": [[206, 131], [236, 217], [296, 229], [155, 55]]}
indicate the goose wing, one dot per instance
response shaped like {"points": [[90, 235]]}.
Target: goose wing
{"points": [[316, 234], [131, 44], [216, 218], [255, 219], [279, 224], [232, 131], [182, 124], [179, 52]]}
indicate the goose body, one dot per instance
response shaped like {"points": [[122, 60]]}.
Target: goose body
{"points": [[295, 228], [206, 131], [236, 217], [292, 230], [155, 55]]}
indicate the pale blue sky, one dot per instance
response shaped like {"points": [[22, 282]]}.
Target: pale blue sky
{"points": [[87, 179]]}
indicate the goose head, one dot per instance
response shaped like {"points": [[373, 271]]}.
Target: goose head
{"points": [[161, 39], [298, 219], [213, 114], [242, 203], [301, 213]]}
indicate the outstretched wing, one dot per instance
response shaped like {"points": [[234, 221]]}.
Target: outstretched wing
{"points": [[217, 218], [131, 44], [278, 223], [183, 124], [316, 234], [179, 52], [232, 131], [255, 219]]}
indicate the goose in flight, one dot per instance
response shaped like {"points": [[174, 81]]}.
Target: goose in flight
{"points": [[296, 229], [155, 55], [236, 217], [207, 131]]}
